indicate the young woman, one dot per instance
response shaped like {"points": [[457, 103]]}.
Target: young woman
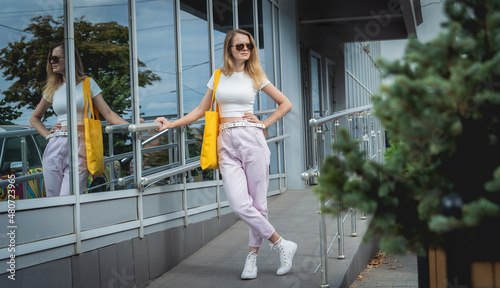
{"points": [[243, 154], [55, 157]]}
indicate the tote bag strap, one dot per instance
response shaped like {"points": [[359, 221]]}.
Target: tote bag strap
{"points": [[87, 96], [216, 83]]}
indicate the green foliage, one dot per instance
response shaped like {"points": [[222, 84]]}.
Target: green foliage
{"points": [[442, 111], [7, 113]]}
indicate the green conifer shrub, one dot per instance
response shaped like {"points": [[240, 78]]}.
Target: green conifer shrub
{"points": [[443, 111]]}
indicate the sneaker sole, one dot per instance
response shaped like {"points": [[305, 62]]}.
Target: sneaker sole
{"points": [[249, 277]]}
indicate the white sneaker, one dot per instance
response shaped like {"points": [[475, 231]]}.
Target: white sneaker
{"points": [[250, 270], [286, 249]]}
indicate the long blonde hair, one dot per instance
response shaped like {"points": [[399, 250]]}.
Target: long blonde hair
{"points": [[252, 65], [54, 80]]}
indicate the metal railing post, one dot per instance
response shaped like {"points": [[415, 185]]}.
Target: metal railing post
{"points": [[354, 232], [323, 248], [335, 133], [24, 159], [318, 136], [361, 134], [366, 138], [367, 145], [340, 229], [134, 89], [112, 166], [379, 147], [349, 125]]}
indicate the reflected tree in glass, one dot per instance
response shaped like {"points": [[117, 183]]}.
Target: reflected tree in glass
{"points": [[106, 60]]}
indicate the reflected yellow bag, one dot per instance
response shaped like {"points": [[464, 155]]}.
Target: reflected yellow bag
{"points": [[208, 158], [93, 133]]}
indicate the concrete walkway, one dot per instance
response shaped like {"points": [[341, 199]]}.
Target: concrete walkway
{"points": [[294, 215]]}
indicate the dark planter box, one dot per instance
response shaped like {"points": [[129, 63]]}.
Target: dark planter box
{"points": [[464, 261]]}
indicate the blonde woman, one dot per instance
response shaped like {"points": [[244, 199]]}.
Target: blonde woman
{"points": [[55, 157], [244, 156]]}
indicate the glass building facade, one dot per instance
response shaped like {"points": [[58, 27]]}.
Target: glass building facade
{"points": [[151, 59]]}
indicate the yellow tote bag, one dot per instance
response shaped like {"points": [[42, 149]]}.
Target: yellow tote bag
{"points": [[208, 158], [93, 133]]}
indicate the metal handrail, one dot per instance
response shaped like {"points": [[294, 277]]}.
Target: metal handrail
{"points": [[277, 138], [155, 125], [38, 175], [19, 133], [178, 169], [316, 122], [34, 176], [132, 128], [22, 179], [171, 172], [127, 179], [314, 172], [154, 137], [126, 156], [143, 126], [116, 128], [311, 172], [110, 129]]}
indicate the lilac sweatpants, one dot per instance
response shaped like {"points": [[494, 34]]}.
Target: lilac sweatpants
{"points": [[56, 166], [244, 159]]}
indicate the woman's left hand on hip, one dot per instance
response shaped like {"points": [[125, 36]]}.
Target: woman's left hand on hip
{"points": [[251, 118]]}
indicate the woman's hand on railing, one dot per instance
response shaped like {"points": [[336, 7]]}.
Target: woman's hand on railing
{"points": [[314, 122], [163, 123]]}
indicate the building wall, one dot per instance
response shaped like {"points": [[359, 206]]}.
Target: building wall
{"points": [[129, 263], [291, 69]]}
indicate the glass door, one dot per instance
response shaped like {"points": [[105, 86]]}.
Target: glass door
{"points": [[313, 95]]}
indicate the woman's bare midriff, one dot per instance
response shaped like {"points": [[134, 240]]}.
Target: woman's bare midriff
{"points": [[79, 128], [229, 119]]}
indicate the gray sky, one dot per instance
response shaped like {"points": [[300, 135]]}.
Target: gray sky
{"points": [[432, 13]]}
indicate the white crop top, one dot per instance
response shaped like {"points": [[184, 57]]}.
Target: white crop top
{"points": [[59, 102], [235, 94]]}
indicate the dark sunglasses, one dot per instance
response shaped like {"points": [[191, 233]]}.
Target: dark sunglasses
{"points": [[240, 46], [55, 59]]}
